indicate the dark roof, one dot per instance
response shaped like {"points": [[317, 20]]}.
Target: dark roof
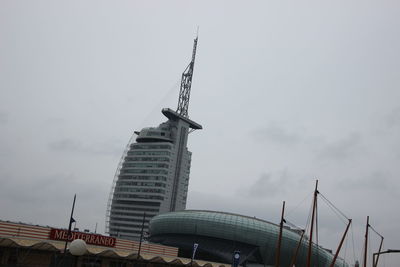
{"points": [[172, 115]]}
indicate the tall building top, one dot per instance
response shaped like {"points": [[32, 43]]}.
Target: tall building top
{"points": [[186, 84], [153, 175]]}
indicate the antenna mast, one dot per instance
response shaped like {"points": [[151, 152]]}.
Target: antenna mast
{"points": [[186, 84]]}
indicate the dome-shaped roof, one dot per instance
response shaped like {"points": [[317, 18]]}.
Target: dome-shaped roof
{"points": [[236, 228], [218, 224]]}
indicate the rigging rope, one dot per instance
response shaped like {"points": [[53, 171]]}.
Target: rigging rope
{"points": [[334, 207], [293, 225], [337, 214], [171, 91], [301, 202], [375, 231], [362, 254], [309, 218]]}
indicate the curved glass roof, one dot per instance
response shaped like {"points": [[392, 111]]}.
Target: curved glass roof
{"points": [[216, 224], [235, 227]]}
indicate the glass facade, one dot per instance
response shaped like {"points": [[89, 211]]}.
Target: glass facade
{"points": [[230, 230], [153, 177]]}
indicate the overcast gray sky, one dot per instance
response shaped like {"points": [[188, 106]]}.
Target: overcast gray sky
{"points": [[287, 92]]}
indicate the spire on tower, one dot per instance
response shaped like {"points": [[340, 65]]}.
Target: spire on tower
{"points": [[186, 84]]}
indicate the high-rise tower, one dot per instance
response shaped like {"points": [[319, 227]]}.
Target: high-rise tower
{"points": [[153, 175]]}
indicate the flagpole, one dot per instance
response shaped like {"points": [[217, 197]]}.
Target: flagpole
{"points": [[195, 246], [71, 220]]}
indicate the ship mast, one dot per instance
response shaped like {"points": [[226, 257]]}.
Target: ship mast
{"points": [[294, 258], [186, 84], [312, 225], [278, 249], [366, 242], [340, 244]]}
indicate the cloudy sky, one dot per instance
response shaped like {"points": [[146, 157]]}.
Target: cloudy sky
{"points": [[287, 93]]}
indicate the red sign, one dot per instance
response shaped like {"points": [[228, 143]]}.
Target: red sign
{"points": [[93, 239]]}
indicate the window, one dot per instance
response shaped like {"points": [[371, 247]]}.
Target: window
{"points": [[130, 183], [139, 196], [125, 177], [143, 146], [128, 159], [136, 152], [146, 165], [140, 190], [144, 171]]}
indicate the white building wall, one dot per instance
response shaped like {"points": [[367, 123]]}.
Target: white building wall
{"points": [[137, 190]]}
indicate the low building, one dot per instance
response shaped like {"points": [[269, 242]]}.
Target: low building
{"points": [[38, 246], [219, 234]]}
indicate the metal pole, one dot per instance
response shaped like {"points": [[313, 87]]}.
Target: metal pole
{"points": [[375, 263], [70, 224], [340, 245], [195, 246], [278, 249], [373, 259], [366, 243], [312, 225], [297, 250], [384, 252]]}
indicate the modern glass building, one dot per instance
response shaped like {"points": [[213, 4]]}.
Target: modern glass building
{"points": [[153, 175], [219, 234]]}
